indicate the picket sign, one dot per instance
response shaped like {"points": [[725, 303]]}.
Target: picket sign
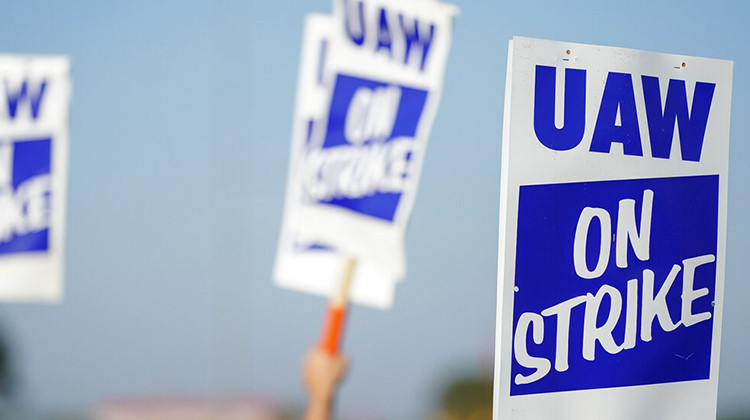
{"points": [[369, 85], [612, 233], [364, 166], [303, 264], [34, 100]]}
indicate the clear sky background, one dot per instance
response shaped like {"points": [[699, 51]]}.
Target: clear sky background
{"points": [[180, 132]]}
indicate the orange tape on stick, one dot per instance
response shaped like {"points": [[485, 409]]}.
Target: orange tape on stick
{"points": [[333, 328]]}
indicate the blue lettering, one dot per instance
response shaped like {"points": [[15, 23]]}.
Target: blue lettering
{"points": [[384, 34], [16, 98], [359, 37], [617, 120], [574, 121], [413, 37], [618, 97], [691, 125]]}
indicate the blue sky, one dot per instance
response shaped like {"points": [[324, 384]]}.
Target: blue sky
{"points": [[180, 130]]}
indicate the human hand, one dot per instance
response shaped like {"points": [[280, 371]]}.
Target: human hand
{"points": [[322, 372]]}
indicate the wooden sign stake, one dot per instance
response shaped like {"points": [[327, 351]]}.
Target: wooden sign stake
{"points": [[336, 313]]}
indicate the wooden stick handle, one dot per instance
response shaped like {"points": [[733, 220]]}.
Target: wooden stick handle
{"points": [[336, 314]]}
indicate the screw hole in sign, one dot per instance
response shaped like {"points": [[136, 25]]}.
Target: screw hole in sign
{"points": [[567, 52]]}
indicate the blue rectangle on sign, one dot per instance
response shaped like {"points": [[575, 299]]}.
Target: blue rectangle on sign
{"points": [[25, 197], [365, 159], [614, 283]]}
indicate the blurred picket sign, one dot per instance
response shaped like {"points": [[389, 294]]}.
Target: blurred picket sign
{"points": [[368, 89], [33, 176]]}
